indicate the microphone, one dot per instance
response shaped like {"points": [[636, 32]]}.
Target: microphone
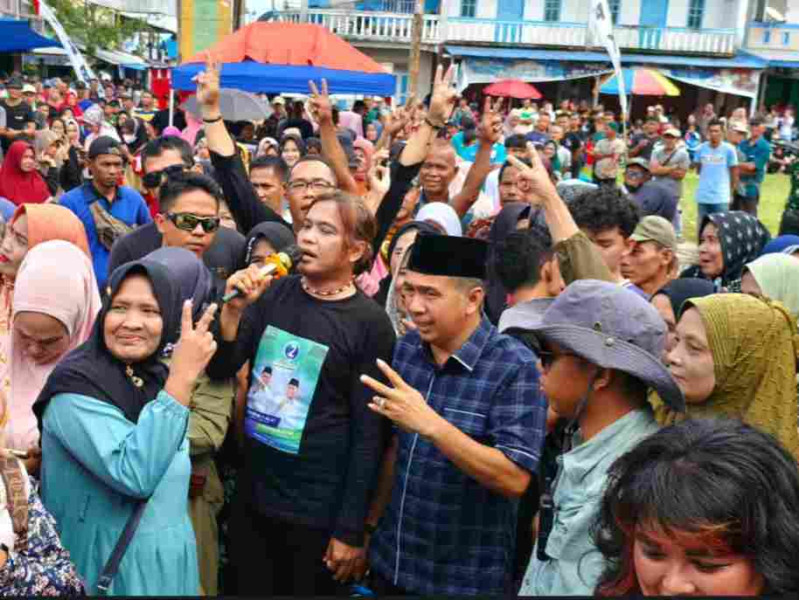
{"points": [[279, 265]]}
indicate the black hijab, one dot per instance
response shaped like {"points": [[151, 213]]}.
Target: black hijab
{"points": [[278, 235], [192, 278], [91, 370], [680, 290], [505, 223]]}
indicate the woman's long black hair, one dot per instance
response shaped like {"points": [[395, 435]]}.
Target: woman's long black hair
{"points": [[712, 480]]}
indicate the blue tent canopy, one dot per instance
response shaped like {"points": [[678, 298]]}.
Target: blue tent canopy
{"points": [[267, 78], [17, 36]]}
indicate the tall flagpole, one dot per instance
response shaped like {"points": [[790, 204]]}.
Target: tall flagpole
{"points": [[600, 27]]}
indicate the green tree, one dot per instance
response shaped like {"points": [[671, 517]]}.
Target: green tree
{"points": [[95, 26]]}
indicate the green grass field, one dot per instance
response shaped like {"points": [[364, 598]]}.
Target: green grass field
{"points": [[773, 195]]}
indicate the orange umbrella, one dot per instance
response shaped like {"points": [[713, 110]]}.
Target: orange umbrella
{"points": [[297, 44], [512, 88]]}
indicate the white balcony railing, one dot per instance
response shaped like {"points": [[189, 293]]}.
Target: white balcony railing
{"points": [[394, 27]]}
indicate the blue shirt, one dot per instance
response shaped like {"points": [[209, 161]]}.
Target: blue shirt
{"points": [[443, 533], [85, 104], [96, 466], [469, 153], [758, 153], [575, 564], [128, 206], [537, 137], [714, 178]]}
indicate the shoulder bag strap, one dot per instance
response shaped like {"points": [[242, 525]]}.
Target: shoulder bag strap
{"points": [[112, 566], [14, 480]]}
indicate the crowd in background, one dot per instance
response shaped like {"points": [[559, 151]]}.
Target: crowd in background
{"points": [[479, 362]]}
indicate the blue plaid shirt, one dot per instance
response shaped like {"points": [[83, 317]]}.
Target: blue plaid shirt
{"points": [[443, 532]]}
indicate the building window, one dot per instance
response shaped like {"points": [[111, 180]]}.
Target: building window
{"points": [[696, 11], [468, 8], [614, 6], [766, 36], [786, 38], [552, 10]]}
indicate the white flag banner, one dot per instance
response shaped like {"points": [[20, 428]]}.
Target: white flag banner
{"points": [[82, 69], [600, 29]]}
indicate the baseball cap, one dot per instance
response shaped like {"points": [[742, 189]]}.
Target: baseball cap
{"points": [[653, 228], [672, 131], [278, 100], [28, 89], [638, 162], [104, 145], [14, 83]]}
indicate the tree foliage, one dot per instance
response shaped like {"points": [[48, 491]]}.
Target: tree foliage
{"points": [[93, 25]]}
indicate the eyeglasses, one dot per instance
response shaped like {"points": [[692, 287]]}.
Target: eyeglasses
{"points": [[189, 222], [317, 185], [155, 178]]}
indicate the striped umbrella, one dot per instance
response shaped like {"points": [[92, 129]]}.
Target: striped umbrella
{"points": [[642, 82]]}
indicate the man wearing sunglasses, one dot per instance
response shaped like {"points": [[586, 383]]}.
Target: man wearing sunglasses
{"points": [[188, 212]]}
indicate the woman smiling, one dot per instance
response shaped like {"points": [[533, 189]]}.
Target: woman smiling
{"points": [[114, 423]]}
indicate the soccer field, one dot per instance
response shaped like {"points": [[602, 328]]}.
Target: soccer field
{"points": [[773, 196]]}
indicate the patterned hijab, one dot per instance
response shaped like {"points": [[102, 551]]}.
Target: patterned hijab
{"points": [[741, 237], [755, 346]]}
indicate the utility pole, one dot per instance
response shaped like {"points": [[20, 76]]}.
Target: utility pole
{"points": [[416, 49]]}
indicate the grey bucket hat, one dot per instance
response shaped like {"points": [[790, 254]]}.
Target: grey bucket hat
{"points": [[613, 328]]}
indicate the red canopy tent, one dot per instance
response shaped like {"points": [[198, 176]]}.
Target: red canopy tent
{"points": [[512, 88], [282, 57]]}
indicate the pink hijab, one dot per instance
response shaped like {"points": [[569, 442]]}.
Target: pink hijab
{"points": [[57, 279], [193, 127]]}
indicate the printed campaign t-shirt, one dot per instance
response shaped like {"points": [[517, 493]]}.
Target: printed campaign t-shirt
{"points": [[313, 447], [714, 179]]}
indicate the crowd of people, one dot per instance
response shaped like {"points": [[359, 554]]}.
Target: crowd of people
{"points": [[391, 350]]}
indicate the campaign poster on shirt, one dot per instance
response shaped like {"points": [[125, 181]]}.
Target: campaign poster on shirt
{"points": [[282, 384]]}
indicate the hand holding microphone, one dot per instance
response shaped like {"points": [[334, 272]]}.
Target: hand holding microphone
{"points": [[251, 282]]}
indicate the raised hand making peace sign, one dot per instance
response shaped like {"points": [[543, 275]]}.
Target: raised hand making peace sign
{"points": [[401, 403], [193, 352], [443, 98], [320, 105], [491, 122], [207, 82]]}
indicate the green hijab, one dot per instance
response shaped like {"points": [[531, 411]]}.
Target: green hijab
{"points": [[754, 343], [777, 275]]}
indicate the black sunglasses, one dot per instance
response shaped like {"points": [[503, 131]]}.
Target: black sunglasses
{"points": [[155, 178], [189, 222], [547, 357]]}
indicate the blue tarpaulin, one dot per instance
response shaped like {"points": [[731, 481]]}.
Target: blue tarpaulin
{"points": [[268, 78], [17, 36]]}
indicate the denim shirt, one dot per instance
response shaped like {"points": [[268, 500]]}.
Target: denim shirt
{"points": [[575, 564]]}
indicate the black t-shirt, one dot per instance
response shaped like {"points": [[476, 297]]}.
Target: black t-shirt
{"points": [[16, 117], [646, 151], [329, 482], [223, 258]]}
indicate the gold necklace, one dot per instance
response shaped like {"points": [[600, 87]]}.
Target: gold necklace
{"points": [[326, 294]]}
